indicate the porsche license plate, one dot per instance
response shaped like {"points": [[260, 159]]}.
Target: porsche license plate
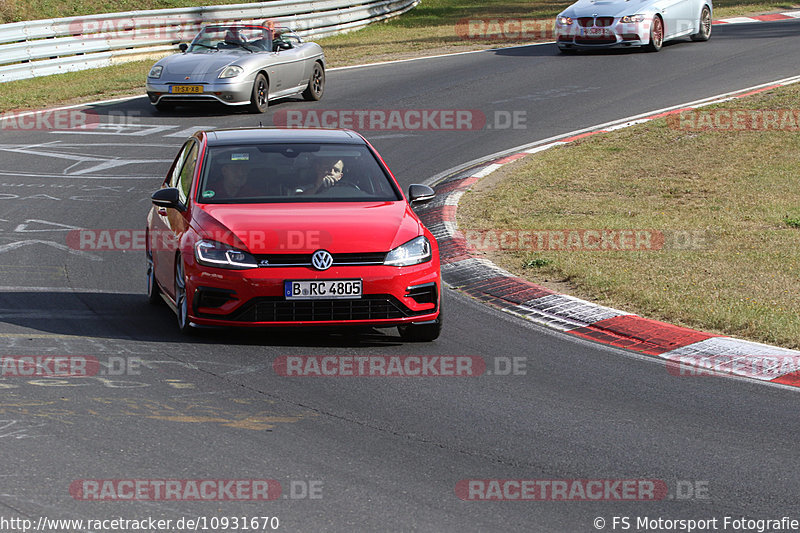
{"points": [[186, 89], [323, 289]]}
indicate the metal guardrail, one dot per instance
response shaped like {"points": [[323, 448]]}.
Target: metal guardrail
{"points": [[43, 47]]}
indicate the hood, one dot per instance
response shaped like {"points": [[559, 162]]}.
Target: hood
{"points": [[340, 227], [199, 66], [607, 8]]}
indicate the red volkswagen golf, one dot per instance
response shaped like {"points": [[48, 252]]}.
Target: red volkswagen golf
{"points": [[291, 227]]}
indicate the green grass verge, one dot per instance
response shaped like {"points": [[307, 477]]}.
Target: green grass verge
{"points": [[735, 192], [428, 29]]}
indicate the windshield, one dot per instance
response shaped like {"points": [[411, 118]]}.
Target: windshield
{"points": [[249, 38], [280, 173]]}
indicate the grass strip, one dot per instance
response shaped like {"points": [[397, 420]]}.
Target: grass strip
{"points": [[725, 199]]}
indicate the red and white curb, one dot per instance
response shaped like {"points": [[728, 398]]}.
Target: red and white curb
{"points": [[685, 347], [760, 18]]}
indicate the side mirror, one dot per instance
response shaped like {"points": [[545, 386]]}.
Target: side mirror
{"points": [[420, 194], [183, 47], [167, 197]]}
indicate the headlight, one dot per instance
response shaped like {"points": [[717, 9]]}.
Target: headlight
{"points": [[216, 254], [629, 19], [413, 252], [231, 71], [155, 72], [563, 21]]}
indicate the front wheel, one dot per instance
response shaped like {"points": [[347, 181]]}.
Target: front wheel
{"points": [[259, 99], [656, 35], [153, 292], [704, 33], [181, 302], [316, 85]]}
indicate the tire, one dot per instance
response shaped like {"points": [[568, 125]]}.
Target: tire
{"points": [[153, 292], [316, 85], [181, 302], [422, 332], [704, 32], [656, 35], [164, 106], [259, 98]]}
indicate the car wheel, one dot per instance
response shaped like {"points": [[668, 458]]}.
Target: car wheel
{"points": [[259, 99], [422, 332], [153, 292], [164, 106], [316, 85], [705, 26], [181, 302], [656, 35]]}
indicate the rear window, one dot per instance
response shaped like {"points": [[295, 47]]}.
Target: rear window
{"points": [[270, 173]]}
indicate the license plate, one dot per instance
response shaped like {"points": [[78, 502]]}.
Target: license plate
{"points": [[186, 89], [596, 32], [323, 289]]}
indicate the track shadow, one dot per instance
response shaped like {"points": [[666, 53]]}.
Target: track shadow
{"points": [[129, 317]]}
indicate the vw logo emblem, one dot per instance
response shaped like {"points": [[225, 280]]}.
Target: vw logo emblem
{"points": [[322, 260]]}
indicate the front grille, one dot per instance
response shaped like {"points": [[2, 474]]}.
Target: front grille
{"points": [[595, 40], [283, 260], [585, 22], [604, 21], [276, 309]]}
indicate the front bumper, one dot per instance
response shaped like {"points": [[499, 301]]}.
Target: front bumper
{"points": [[390, 296], [228, 92], [615, 35]]}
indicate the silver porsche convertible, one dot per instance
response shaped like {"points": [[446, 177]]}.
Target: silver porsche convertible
{"points": [[238, 65], [648, 24]]}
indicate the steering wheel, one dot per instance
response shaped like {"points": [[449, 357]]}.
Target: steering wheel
{"points": [[342, 184]]}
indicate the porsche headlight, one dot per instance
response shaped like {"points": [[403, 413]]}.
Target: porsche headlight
{"points": [[563, 21], [630, 19], [156, 71], [231, 71], [413, 252], [217, 254]]}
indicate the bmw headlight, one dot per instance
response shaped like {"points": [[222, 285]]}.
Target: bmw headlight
{"points": [[217, 254], [156, 71], [630, 19], [563, 21], [231, 71], [413, 252]]}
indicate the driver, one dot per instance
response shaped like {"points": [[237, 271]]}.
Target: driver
{"points": [[327, 173]]}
